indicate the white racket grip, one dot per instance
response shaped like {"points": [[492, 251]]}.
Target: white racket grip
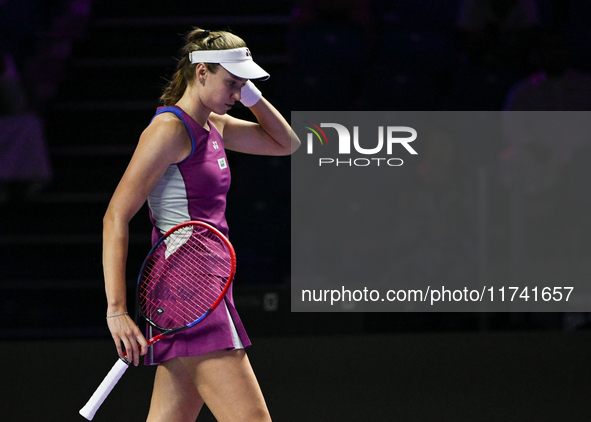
{"points": [[104, 389]]}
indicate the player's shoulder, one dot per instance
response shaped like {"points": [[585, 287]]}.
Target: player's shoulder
{"points": [[167, 120], [166, 136], [166, 124], [220, 121]]}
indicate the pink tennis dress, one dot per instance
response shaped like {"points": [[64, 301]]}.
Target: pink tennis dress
{"points": [[195, 189]]}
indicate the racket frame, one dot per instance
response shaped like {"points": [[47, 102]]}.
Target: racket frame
{"points": [[232, 253]]}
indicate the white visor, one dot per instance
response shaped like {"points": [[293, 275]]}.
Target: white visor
{"points": [[237, 61]]}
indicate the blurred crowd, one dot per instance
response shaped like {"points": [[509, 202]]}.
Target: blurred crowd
{"points": [[35, 43]]}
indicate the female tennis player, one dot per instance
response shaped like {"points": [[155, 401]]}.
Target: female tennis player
{"points": [[180, 168]]}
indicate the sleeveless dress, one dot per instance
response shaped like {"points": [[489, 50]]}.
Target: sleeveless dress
{"points": [[195, 189]]}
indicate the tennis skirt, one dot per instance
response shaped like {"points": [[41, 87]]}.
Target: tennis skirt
{"points": [[221, 330]]}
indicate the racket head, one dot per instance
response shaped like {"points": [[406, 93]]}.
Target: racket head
{"points": [[185, 276]]}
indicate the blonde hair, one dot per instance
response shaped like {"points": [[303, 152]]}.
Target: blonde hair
{"points": [[197, 39]]}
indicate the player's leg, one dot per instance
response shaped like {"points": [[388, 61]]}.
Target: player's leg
{"points": [[226, 382], [174, 397]]}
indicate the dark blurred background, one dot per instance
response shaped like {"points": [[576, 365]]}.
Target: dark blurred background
{"points": [[80, 80]]}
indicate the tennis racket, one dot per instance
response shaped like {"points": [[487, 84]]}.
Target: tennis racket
{"points": [[184, 277]]}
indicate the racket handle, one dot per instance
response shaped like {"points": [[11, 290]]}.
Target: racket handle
{"points": [[104, 389]]}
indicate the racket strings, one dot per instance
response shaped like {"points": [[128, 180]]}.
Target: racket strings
{"points": [[190, 267], [177, 299], [185, 276]]}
